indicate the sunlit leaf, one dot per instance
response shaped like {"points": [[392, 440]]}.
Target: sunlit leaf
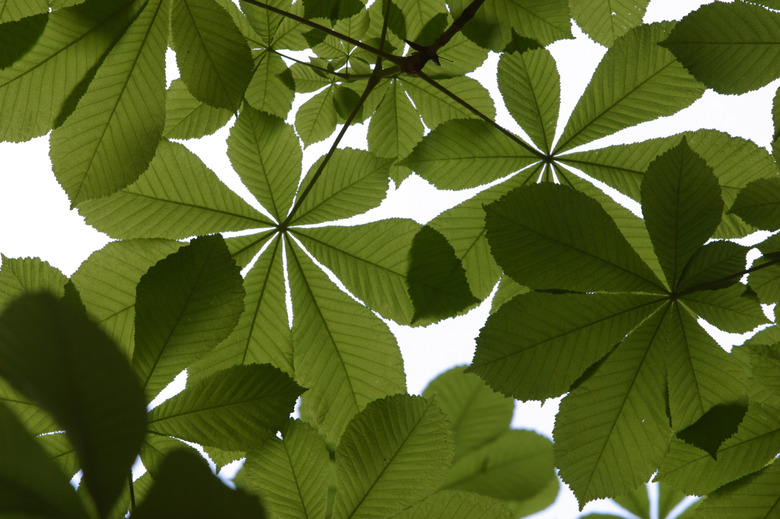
{"points": [[20, 276], [189, 118], [757, 495], [17, 9], [713, 266], [316, 119], [731, 309], [606, 20], [759, 204], [451, 504], [436, 108], [18, 36], [272, 87], [395, 126], [714, 427]]}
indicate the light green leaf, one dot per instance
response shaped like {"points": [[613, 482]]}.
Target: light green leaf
{"points": [[185, 487], [759, 203], [682, 207], [53, 354], [17, 37], [107, 280], [732, 48], [177, 197], [530, 85], [459, 57], [212, 54], [416, 15], [189, 118], [436, 108], [544, 498], [668, 498], [234, 409], [316, 119], [244, 249], [20, 276], [734, 309], [606, 20], [755, 496], [292, 474], [527, 351], [636, 81], [575, 246], [395, 126], [352, 182], [265, 153], [155, 448], [38, 86], [713, 266], [61, 451], [478, 414], [186, 304], [345, 355], [113, 133], [461, 154], [637, 502], [395, 452], [272, 87], [611, 432], [12, 10], [31, 485], [264, 22], [451, 504]]}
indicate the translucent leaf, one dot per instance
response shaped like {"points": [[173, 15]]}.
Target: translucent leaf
{"points": [[478, 414], [637, 502], [332, 9], [30, 483], [395, 126], [606, 20], [732, 48], [155, 448], [681, 206], [733, 309], [461, 154], [17, 37], [177, 197], [436, 108], [344, 354], [265, 153], [185, 487], [451, 504], [61, 451], [272, 87], [766, 282], [515, 466], [611, 433], [714, 426], [530, 86], [107, 280], [34, 89], [55, 356], [536, 503], [186, 304], [395, 452], [13, 10], [291, 474], [713, 266], [189, 118], [234, 409], [765, 363], [316, 119], [527, 351], [574, 246], [636, 81], [245, 248], [20, 276], [759, 203], [755, 496], [459, 57], [113, 133], [212, 54]]}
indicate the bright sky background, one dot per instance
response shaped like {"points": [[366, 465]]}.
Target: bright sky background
{"points": [[35, 218]]}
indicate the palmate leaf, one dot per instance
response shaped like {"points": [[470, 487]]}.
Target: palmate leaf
{"points": [[611, 432], [755, 496], [13, 10], [37, 87], [395, 452], [54, 355], [189, 118], [606, 20], [235, 409], [395, 126], [177, 197], [272, 87], [341, 351], [734, 309], [17, 37], [451, 504], [186, 304], [291, 474], [213, 57], [436, 108], [317, 118], [112, 135], [636, 81], [732, 48], [758, 204]]}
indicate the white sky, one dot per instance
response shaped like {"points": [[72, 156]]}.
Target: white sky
{"points": [[35, 219]]}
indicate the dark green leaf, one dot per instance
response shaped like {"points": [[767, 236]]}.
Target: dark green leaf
{"points": [[606, 20], [451, 504], [189, 118], [713, 266], [759, 203], [734, 309], [765, 362], [754, 496], [332, 9], [17, 9], [714, 427], [18, 36], [766, 281]]}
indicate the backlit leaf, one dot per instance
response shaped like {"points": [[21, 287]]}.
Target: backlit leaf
{"points": [[395, 126], [189, 118], [606, 20], [716, 425], [20, 276], [451, 504], [316, 119], [436, 108], [272, 87], [753, 496], [13, 10], [733, 309], [759, 204]]}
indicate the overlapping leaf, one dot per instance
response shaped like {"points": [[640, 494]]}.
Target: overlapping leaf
{"points": [[606, 20]]}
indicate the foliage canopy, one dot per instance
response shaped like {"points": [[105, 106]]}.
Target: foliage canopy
{"points": [[589, 300]]}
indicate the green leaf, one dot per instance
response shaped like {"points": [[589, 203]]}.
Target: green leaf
{"points": [[17, 37], [186, 304], [630, 85], [265, 153], [34, 89], [436, 108], [682, 207], [776, 121], [341, 351], [527, 351], [332, 9], [530, 85], [20, 276], [544, 498], [606, 20], [755, 496], [461, 154], [517, 465], [31, 485], [185, 487], [234, 409], [395, 126], [733, 309], [416, 15], [13, 10], [478, 414], [732, 48], [575, 246], [713, 266], [759, 203], [714, 427], [436, 280], [155, 448], [766, 281], [668, 498], [107, 280], [189, 118], [316, 119], [54, 355], [395, 452], [212, 54], [611, 432], [451, 504], [765, 363], [272, 87], [352, 182], [292, 474], [113, 133], [637, 502], [61, 451], [177, 197]]}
